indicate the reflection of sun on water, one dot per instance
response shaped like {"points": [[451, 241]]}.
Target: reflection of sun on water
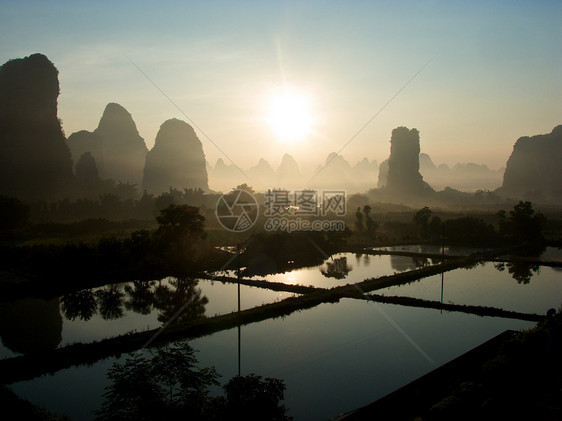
{"points": [[290, 278], [289, 115]]}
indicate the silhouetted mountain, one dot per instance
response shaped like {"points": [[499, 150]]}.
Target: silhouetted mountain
{"points": [[262, 169], [116, 146], [288, 173], [176, 160], [225, 177], [82, 142], [337, 173], [533, 170], [87, 172], [464, 177], [404, 179], [364, 167], [383, 174], [262, 175], [426, 164], [35, 161], [404, 162]]}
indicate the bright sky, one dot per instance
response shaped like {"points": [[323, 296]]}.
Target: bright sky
{"points": [[495, 73]]}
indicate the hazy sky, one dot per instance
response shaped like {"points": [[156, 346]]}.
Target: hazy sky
{"points": [[495, 73]]}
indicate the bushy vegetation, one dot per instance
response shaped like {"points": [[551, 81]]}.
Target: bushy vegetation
{"points": [[175, 248], [167, 384]]}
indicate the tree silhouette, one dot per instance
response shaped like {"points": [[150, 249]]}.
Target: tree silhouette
{"points": [[177, 221], [13, 213], [469, 231], [246, 188], [180, 227], [253, 399], [523, 224], [358, 219], [157, 386], [435, 226], [370, 224], [166, 384], [421, 218], [526, 224]]}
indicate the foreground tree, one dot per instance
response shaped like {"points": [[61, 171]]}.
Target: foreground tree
{"points": [[523, 224], [469, 230], [162, 384], [253, 399], [180, 228], [179, 221], [421, 219], [167, 384]]}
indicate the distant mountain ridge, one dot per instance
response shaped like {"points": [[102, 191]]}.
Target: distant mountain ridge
{"points": [[462, 176], [335, 173]]}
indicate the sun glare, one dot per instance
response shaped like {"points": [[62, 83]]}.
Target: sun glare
{"points": [[289, 116]]}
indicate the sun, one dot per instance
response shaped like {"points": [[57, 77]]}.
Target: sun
{"points": [[289, 115]]}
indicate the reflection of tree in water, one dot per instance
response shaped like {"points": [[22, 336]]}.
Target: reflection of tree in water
{"points": [[110, 301], [522, 272], [167, 384], [420, 262], [404, 263], [81, 304], [338, 268], [366, 258], [186, 293], [140, 297]]}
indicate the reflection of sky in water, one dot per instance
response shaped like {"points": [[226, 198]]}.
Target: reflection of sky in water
{"points": [[484, 285], [433, 249], [553, 254], [346, 351], [222, 299], [362, 266]]}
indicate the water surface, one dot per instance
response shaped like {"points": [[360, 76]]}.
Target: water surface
{"points": [[32, 324], [333, 358], [521, 287]]}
